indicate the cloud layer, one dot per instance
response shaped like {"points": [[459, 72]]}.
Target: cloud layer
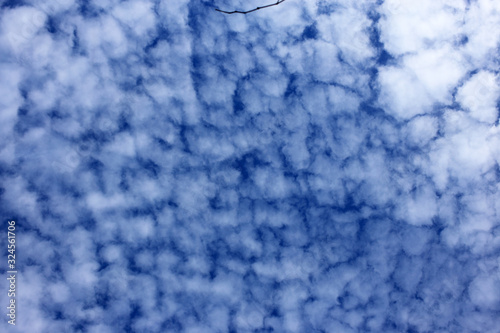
{"points": [[314, 166]]}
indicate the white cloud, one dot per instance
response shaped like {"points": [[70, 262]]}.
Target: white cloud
{"points": [[480, 95], [402, 94], [178, 169], [422, 129], [138, 16], [21, 25], [484, 292], [409, 27]]}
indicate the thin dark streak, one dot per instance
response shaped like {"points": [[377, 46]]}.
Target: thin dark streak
{"points": [[249, 11]]}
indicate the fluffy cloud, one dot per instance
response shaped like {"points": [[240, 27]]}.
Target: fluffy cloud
{"points": [[329, 166]]}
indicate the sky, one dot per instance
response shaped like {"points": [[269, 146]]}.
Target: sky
{"points": [[315, 166]]}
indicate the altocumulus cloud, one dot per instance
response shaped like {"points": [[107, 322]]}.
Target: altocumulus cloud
{"points": [[317, 166]]}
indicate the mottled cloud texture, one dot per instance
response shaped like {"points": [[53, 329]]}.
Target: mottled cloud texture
{"points": [[317, 166]]}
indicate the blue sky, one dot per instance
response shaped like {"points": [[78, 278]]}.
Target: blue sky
{"points": [[316, 166]]}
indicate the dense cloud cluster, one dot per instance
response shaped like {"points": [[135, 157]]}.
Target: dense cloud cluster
{"points": [[317, 166]]}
